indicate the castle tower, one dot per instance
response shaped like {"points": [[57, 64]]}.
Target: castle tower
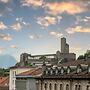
{"points": [[64, 46], [24, 59]]}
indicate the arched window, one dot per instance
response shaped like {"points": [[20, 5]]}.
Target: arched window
{"points": [[55, 86], [87, 88], [76, 87], [67, 87], [45, 86], [61, 87], [50, 86], [79, 87]]}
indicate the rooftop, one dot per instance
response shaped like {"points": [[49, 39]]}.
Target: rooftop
{"points": [[75, 63], [4, 81], [32, 73]]}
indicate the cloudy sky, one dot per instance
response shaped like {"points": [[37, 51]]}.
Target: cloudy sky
{"points": [[36, 26]]}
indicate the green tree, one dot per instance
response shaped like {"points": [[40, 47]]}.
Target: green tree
{"points": [[81, 57], [4, 72], [85, 56]]}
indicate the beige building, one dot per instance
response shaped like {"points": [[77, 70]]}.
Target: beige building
{"points": [[65, 84], [73, 77]]}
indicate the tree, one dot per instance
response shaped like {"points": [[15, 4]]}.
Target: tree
{"points": [[4, 72], [81, 57], [85, 56]]}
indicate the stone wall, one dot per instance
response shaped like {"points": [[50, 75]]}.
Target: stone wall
{"points": [[64, 85]]}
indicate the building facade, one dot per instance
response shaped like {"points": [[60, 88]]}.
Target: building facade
{"points": [[74, 76], [65, 78]]}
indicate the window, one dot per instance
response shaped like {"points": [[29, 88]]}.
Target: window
{"points": [[45, 86], [55, 87], [88, 68], [56, 71], [79, 87], [14, 74], [62, 70], [46, 72], [51, 71], [79, 69], [61, 87], [67, 87], [87, 88], [76, 87], [50, 86], [68, 70]]}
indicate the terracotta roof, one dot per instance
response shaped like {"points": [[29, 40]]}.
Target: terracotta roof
{"points": [[32, 72], [73, 74], [4, 81]]}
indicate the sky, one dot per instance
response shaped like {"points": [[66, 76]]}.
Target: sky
{"points": [[36, 26]]}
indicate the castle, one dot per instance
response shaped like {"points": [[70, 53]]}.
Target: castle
{"points": [[51, 59]]}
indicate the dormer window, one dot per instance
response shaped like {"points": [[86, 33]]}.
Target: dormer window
{"points": [[88, 68], [68, 70], [62, 70], [51, 71], [56, 71], [46, 72], [79, 69]]}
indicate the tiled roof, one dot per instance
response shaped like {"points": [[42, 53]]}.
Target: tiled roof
{"points": [[75, 63], [32, 72], [72, 75], [84, 73], [78, 69], [4, 81]]}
